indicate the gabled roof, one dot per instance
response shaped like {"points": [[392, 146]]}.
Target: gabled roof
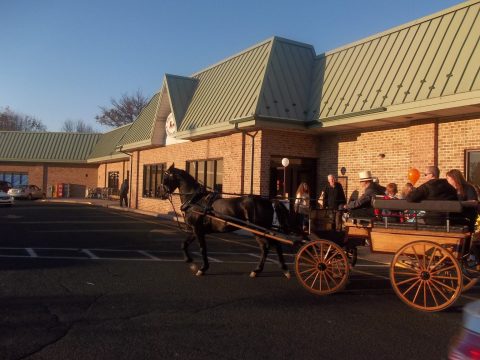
{"points": [[286, 84], [228, 90], [105, 148], [180, 91], [433, 57], [51, 147], [140, 132]]}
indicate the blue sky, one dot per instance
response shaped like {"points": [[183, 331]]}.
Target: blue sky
{"points": [[62, 59]]}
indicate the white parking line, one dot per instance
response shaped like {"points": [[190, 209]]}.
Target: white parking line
{"points": [[144, 253], [89, 254], [31, 252]]}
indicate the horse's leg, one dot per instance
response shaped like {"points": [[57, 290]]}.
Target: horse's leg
{"points": [[203, 250], [262, 243], [281, 260], [186, 256]]}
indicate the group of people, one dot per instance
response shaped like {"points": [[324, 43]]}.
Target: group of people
{"points": [[453, 187]]}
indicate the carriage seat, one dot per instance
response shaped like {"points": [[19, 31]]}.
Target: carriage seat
{"points": [[446, 207], [424, 227]]}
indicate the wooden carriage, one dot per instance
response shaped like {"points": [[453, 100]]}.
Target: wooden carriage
{"points": [[428, 270]]}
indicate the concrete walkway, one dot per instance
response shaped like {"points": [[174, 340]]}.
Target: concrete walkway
{"points": [[114, 204]]}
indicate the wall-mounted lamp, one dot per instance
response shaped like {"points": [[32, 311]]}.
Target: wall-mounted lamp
{"points": [[381, 155]]}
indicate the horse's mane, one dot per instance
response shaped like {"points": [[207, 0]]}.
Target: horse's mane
{"points": [[186, 177]]}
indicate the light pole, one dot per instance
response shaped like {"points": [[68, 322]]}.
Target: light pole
{"points": [[285, 163]]}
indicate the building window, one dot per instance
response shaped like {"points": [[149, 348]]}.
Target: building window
{"points": [[113, 179], [472, 166], [16, 179], [152, 180], [209, 173]]}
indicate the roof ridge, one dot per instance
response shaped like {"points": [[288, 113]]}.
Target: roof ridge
{"points": [[397, 28]]}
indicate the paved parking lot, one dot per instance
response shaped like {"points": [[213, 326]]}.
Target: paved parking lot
{"points": [[82, 281]]}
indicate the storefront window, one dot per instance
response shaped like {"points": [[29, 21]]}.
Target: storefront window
{"points": [[16, 179], [207, 172], [152, 180], [113, 179], [472, 166]]}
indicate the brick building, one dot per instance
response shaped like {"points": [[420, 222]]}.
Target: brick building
{"points": [[407, 97]]}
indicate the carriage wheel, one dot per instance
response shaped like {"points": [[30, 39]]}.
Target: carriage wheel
{"points": [[468, 282], [322, 267], [426, 276]]}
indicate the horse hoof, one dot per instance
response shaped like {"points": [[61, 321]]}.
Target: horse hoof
{"points": [[287, 275], [193, 267], [253, 274], [199, 273]]}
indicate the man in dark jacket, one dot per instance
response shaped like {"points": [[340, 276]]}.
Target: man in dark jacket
{"points": [[433, 189], [334, 199], [362, 207], [124, 193]]}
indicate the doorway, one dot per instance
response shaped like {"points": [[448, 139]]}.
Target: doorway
{"points": [[299, 170]]}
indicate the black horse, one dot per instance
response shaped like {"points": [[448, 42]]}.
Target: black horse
{"points": [[196, 201]]}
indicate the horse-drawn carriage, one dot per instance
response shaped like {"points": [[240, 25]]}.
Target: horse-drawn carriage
{"points": [[428, 271]]}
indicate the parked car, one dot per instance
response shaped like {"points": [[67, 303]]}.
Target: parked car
{"points": [[5, 199], [5, 186], [466, 345], [29, 192]]}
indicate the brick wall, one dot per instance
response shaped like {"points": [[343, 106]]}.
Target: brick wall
{"points": [[44, 175], [34, 171]]}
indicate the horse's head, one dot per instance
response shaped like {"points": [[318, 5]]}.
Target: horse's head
{"points": [[170, 182]]}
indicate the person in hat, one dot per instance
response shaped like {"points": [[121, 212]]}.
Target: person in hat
{"points": [[362, 207]]}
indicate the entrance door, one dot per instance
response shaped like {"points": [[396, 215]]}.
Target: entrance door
{"points": [[299, 170]]}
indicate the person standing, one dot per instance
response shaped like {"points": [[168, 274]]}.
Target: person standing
{"points": [[124, 193], [302, 204], [334, 199]]}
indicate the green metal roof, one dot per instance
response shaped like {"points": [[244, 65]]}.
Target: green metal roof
{"points": [[429, 58], [140, 133], [17, 146], [180, 91], [228, 90], [105, 148], [286, 84]]}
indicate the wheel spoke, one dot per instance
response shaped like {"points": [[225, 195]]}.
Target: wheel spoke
{"points": [[433, 294], [411, 287], [417, 292], [327, 253], [308, 270], [444, 285], [444, 269], [432, 257], [302, 258], [314, 279], [440, 291], [326, 280], [406, 274], [444, 277], [439, 262], [406, 281], [416, 256], [313, 257], [309, 276]]}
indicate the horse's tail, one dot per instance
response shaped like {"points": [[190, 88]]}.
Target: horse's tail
{"points": [[283, 216]]}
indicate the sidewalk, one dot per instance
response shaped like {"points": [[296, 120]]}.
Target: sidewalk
{"points": [[114, 204]]}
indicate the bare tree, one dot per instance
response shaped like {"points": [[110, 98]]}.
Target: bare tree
{"points": [[77, 126], [123, 111], [12, 121]]}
